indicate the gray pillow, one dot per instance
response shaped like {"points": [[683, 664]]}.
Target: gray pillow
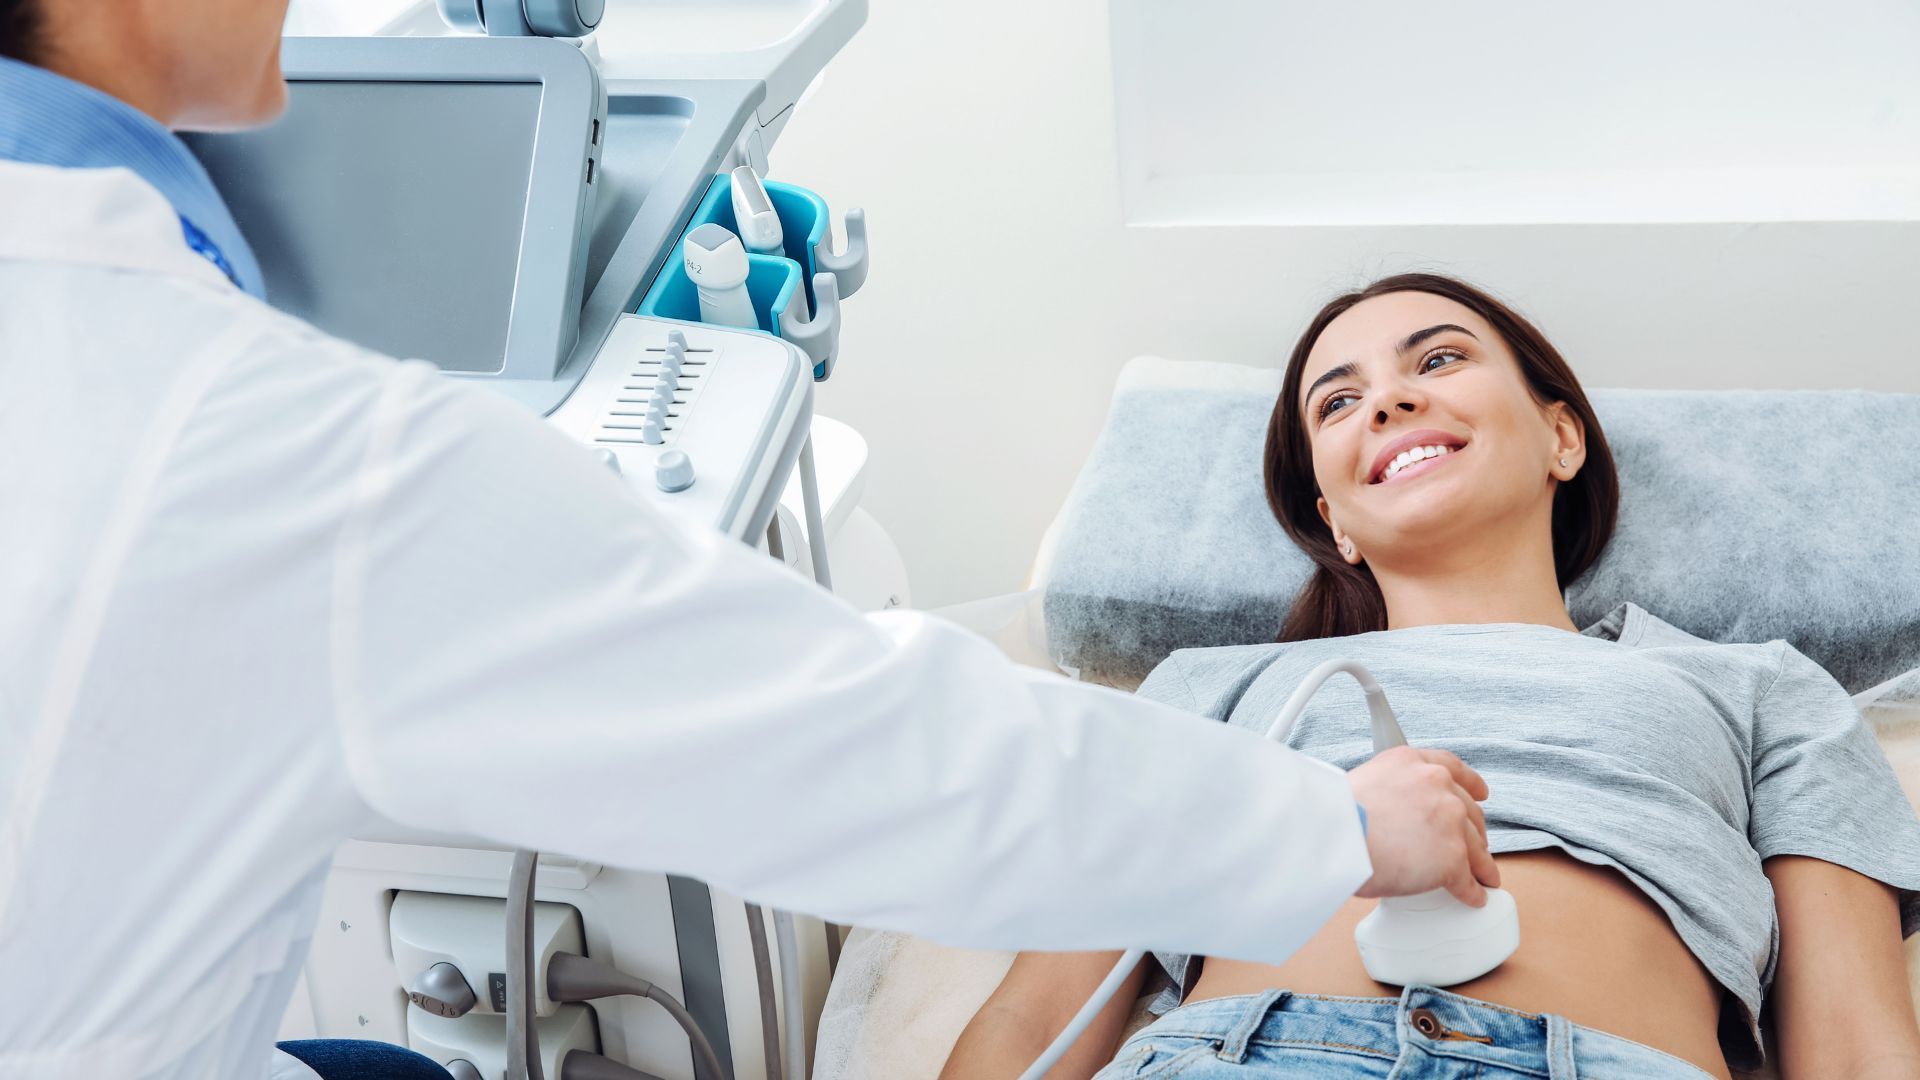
{"points": [[1744, 516]]}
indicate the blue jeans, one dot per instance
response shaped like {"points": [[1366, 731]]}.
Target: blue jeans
{"points": [[361, 1059], [1425, 1034]]}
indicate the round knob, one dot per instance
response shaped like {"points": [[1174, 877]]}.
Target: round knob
{"points": [[674, 471], [676, 340], [564, 18], [442, 991], [462, 1069], [610, 459]]}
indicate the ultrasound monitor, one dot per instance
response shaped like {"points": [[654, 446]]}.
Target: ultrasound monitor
{"points": [[425, 197]]}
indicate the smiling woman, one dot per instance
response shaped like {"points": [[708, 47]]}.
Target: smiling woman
{"points": [[1692, 831], [1343, 597]]}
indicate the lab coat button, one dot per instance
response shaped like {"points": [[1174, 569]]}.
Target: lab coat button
{"points": [[674, 471]]}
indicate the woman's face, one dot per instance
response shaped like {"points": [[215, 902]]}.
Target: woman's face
{"points": [[1417, 372]]}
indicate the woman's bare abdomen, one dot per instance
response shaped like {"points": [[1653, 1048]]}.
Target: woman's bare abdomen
{"points": [[1593, 948]]}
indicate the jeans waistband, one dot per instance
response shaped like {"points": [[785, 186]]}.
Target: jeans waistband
{"points": [[1437, 1022]]}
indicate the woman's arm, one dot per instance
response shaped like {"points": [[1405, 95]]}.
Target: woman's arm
{"points": [[1840, 998], [1041, 993]]}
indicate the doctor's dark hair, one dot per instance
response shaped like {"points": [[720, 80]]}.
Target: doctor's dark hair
{"points": [[20, 30], [1342, 599]]}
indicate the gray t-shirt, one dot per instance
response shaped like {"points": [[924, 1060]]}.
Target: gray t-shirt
{"points": [[1679, 762]]}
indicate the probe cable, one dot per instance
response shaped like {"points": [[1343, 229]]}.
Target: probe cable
{"points": [[1386, 734]]}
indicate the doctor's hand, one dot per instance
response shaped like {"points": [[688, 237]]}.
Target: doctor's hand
{"points": [[1425, 829]]}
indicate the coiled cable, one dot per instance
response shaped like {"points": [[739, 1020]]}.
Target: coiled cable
{"points": [[1386, 734]]}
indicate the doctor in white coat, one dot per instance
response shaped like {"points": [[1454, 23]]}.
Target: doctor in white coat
{"points": [[259, 587]]}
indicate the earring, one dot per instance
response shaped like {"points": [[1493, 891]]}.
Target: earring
{"points": [[1563, 463], [1348, 549]]}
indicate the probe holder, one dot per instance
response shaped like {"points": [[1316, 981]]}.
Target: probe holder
{"points": [[796, 295]]}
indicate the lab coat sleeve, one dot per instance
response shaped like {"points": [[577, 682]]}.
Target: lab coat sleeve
{"points": [[526, 650]]}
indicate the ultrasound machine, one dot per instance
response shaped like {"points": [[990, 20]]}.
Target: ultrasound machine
{"points": [[503, 188]]}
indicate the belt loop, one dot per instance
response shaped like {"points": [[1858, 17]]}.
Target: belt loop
{"points": [[1560, 1065], [1235, 1047]]}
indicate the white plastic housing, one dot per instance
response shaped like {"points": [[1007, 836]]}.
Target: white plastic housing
{"points": [[470, 932], [717, 265], [1435, 940], [754, 214]]}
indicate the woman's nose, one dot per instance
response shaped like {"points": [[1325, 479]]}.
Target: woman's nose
{"points": [[1380, 417]]}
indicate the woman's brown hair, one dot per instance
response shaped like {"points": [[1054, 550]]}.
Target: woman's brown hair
{"points": [[1342, 599]]}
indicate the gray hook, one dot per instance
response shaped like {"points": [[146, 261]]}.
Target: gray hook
{"points": [[849, 266], [819, 335]]}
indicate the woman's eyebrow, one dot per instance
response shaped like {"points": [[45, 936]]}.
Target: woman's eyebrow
{"points": [[1340, 371], [1419, 336]]}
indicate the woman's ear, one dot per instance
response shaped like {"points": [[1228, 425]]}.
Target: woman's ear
{"points": [[1341, 541], [1570, 442]]}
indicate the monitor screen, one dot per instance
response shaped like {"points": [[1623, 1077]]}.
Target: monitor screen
{"points": [[389, 213]]}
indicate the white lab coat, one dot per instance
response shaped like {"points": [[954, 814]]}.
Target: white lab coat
{"points": [[259, 588]]}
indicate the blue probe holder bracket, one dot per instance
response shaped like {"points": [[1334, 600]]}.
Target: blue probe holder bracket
{"points": [[796, 295]]}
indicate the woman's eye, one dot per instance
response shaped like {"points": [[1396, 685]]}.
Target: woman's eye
{"points": [[1433, 361]]}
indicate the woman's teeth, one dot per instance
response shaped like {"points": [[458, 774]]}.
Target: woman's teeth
{"points": [[1411, 457]]}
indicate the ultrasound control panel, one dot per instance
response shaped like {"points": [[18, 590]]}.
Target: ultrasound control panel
{"points": [[705, 421]]}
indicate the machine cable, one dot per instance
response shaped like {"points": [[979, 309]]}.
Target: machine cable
{"points": [[573, 978], [1386, 734], [763, 973], [816, 522], [823, 575], [576, 978], [795, 1001], [523, 1038]]}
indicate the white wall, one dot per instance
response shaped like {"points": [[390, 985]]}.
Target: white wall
{"points": [[1515, 112], [1007, 293]]}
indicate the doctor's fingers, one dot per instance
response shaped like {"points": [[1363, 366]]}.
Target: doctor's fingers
{"points": [[1466, 887], [1475, 814], [1462, 775], [1473, 867], [1479, 859], [1485, 869]]}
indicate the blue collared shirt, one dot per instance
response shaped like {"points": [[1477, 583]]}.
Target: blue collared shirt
{"points": [[47, 119]]}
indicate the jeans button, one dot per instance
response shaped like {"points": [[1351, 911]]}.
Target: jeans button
{"points": [[1426, 1023]]}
